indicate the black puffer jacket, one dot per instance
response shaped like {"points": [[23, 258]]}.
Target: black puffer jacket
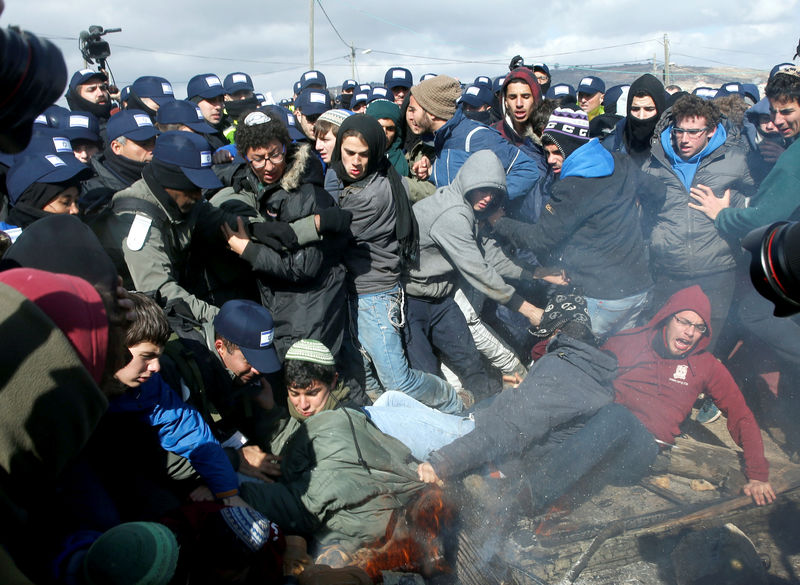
{"points": [[304, 289]]}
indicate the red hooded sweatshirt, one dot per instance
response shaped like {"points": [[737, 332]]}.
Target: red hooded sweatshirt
{"points": [[660, 391]]}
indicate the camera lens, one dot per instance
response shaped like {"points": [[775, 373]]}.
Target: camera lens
{"points": [[775, 265], [32, 76]]}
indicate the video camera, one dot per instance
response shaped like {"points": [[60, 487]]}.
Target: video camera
{"points": [[775, 265], [93, 48], [518, 61]]}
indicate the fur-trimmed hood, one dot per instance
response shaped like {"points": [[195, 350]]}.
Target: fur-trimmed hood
{"points": [[300, 167]]}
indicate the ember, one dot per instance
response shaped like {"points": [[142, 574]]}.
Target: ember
{"points": [[413, 541]]}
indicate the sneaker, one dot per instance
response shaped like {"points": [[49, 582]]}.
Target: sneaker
{"points": [[708, 412]]}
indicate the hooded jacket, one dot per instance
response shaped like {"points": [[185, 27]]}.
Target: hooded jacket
{"points": [[448, 237], [660, 390], [573, 379], [684, 242], [303, 289], [461, 133], [591, 224]]}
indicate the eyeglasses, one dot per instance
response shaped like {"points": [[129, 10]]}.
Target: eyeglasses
{"points": [[275, 158], [699, 327], [693, 132]]}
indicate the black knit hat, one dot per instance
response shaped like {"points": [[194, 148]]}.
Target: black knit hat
{"points": [[568, 129]]}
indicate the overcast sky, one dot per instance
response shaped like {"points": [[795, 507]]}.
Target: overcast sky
{"points": [[465, 38]]}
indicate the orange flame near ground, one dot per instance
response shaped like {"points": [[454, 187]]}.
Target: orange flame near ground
{"points": [[413, 540]]}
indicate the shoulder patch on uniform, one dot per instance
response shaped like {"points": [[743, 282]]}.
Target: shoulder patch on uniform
{"points": [[138, 232]]}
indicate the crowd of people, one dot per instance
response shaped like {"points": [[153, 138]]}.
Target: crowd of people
{"points": [[231, 322]]}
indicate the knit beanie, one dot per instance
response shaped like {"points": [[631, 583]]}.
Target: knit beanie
{"points": [[568, 129], [335, 116], [380, 109], [438, 95], [310, 350], [561, 310], [135, 553]]}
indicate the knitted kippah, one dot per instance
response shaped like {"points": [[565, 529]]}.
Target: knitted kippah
{"points": [[249, 525], [568, 129], [438, 95], [384, 109], [335, 117], [310, 350], [560, 310], [793, 71], [135, 553]]}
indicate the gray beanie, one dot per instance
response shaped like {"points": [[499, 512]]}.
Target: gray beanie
{"points": [[438, 95]]}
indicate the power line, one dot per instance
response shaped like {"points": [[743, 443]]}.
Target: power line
{"points": [[328, 18]]}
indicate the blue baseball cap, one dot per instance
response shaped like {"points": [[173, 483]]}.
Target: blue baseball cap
{"points": [[133, 124], [42, 168], [250, 326], [427, 76], [477, 95], [124, 93], [398, 77], [542, 67], [560, 90], [157, 89], [205, 85], [47, 141], [591, 85], [51, 117], [313, 77], [497, 84], [364, 88], [84, 75], [359, 98], [237, 81], [707, 93], [81, 126], [614, 94], [287, 118], [380, 93], [312, 102], [191, 153], [349, 84], [778, 68], [483, 81], [296, 88], [186, 113]]}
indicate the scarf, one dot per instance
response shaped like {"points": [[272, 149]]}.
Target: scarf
{"points": [[134, 103], [78, 104], [127, 170], [639, 133], [406, 229], [29, 206]]}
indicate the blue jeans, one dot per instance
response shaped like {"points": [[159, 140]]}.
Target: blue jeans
{"points": [[421, 428], [612, 316], [377, 317]]}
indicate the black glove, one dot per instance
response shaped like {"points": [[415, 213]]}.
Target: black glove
{"points": [[221, 157], [269, 232], [334, 220]]}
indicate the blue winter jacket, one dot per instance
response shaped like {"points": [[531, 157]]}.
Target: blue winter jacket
{"points": [[461, 133], [181, 430]]}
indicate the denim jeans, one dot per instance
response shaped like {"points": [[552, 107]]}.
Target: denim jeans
{"points": [[612, 316], [378, 318], [421, 428]]}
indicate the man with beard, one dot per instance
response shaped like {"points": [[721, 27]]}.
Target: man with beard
{"points": [[633, 134], [88, 92], [131, 135], [206, 92]]}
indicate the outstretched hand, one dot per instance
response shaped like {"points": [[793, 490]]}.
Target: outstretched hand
{"points": [[709, 203], [427, 474], [761, 492]]}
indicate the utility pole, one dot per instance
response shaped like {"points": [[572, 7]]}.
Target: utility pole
{"points": [[310, 34], [666, 59], [654, 64], [352, 61]]}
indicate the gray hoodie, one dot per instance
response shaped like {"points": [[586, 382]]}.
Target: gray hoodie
{"points": [[448, 238]]}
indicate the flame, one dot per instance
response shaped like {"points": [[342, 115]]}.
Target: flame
{"points": [[551, 517], [413, 541]]}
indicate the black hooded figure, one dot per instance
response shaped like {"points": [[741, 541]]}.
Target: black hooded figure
{"points": [[637, 133], [372, 134]]}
